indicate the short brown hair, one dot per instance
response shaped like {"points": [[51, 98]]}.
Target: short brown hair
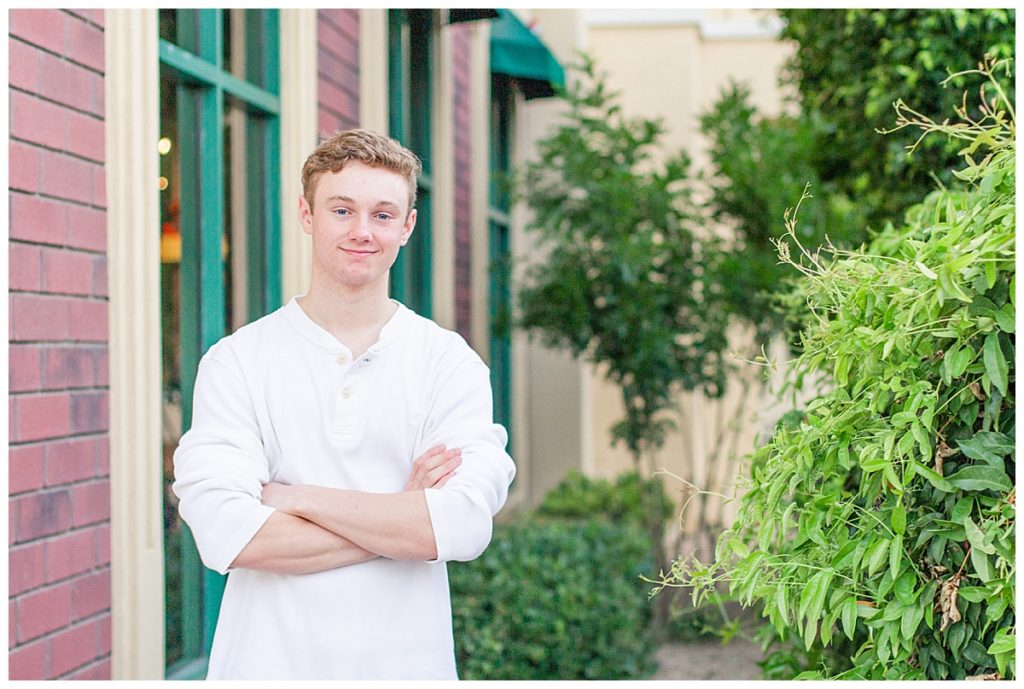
{"points": [[367, 147]]}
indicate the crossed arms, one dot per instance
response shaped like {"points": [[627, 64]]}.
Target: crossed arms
{"points": [[316, 528]]}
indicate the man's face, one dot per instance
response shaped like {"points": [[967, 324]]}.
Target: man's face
{"points": [[360, 218]]}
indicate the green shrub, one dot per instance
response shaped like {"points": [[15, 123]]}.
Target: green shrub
{"points": [[554, 600], [878, 533], [581, 497]]}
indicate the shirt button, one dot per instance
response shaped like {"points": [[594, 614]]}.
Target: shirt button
{"points": [[342, 359], [346, 393]]}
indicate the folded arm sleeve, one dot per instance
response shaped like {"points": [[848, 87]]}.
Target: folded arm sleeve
{"points": [[462, 511], [220, 465]]}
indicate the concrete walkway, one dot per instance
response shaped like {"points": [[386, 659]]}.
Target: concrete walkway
{"points": [[708, 660]]}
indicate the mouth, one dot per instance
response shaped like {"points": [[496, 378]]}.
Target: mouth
{"points": [[358, 252]]}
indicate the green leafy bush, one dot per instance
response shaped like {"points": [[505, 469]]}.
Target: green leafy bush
{"points": [[879, 532], [554, 600], [582, 497]]}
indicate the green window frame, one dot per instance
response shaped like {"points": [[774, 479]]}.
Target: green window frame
{"points": [[499, 248], [194, 62], [410, 119]]}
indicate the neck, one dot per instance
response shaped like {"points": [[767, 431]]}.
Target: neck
{"points": [[354, 316]]}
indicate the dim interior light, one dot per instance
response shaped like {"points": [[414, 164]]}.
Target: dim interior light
{"points": [[164, 146], [163, 183]]}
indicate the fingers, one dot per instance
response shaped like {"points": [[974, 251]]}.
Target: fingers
{"points": [[434, 467]]}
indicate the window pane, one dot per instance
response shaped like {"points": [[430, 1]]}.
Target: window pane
{"points": [[236, 192]]}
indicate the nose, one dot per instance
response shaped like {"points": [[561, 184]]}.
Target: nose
{"points": [[360, 229]]}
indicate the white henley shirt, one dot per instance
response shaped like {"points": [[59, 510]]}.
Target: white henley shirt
{"points": [[282, 400]]}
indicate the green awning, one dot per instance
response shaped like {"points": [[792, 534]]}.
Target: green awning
{"points": [[516, 51]]}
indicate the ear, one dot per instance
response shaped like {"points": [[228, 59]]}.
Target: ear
{"points": [[410, 225], [305, 215]]}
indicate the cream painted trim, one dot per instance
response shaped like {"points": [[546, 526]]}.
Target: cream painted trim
{"points": [[133, 254], [765, 27], [373, 69], [442, 226], [298, 139], [479, 173]]}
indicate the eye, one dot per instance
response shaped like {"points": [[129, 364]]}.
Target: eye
{"points": [[341, 211], [384, 217]]}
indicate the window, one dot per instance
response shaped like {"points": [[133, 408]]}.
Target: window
{"points": [[410, 112], [220, 249], [499, 293]]}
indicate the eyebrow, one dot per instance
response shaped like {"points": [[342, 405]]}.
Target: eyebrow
{"points": [[378, 204]]}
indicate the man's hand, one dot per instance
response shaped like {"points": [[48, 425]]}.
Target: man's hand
{"points": [[433, 468]]}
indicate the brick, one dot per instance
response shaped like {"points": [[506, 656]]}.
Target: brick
{"points": [[39, 317], [68, 367], [103, 544], [97, 87], [91, 595], [72, 648], [70, 554], [105, 633], [67, 272], [89, 321], [64, 82], [89, 412], [36, 120], [86, 136], [101, 367], [95, 671], [70, 461], [45, 28], [25, 267], [26, 566], [99, 185], [27, 662], [23, 66], [43, 611], [23, 166], [67, 177], [42, 416], [86, 228], [33, 219], [91, 503], [26, 470], [41, 514], [86, 45], [24, 367], [99, 276], [12, 627]]}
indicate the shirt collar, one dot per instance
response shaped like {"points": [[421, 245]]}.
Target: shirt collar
{"points": [[312, 331]]}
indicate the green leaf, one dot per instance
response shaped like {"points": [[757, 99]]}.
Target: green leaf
{"points": [[780, 601], [973, 594], [981, 478], [976, 537], [995, 363], [926, 271], [910, 621], [899, 518], [895, 556], [1004, 643], [905, 587], [933, 477], [849, 616], [988, 446], [982, 567], [876, 555]]}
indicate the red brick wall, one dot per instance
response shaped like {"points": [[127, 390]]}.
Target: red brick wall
{"points": [[337, 70], [59, 480], [460, 56]]}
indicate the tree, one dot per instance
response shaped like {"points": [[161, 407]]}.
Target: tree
{"points": [[628, 281], [848, 68]]}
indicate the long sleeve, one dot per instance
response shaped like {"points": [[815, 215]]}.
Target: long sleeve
{"points": [[462, 512], [220, 465]]}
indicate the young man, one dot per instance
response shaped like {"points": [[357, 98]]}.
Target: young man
{"points": [[342, 449]]}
